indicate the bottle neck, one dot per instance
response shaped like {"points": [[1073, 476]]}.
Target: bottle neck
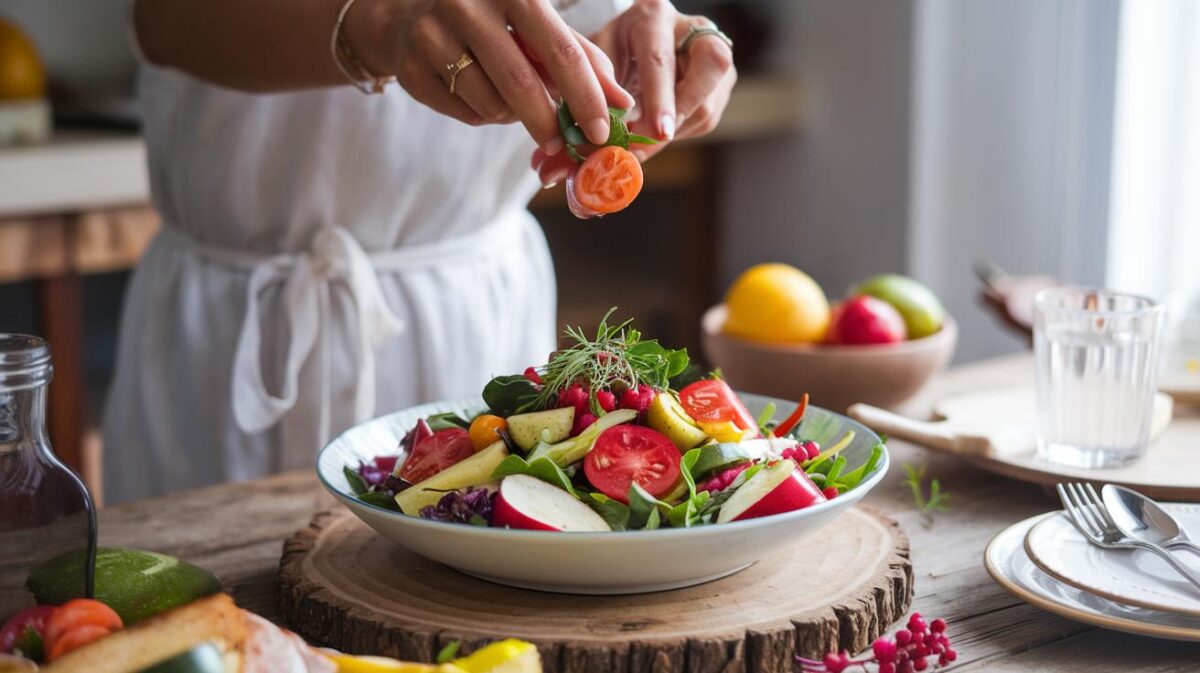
{"points": [[23, 420]]}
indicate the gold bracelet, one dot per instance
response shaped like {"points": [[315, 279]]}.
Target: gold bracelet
{"points": [[347, 62]]}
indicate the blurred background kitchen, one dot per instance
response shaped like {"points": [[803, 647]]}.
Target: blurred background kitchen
{"points": [[925, 137]]}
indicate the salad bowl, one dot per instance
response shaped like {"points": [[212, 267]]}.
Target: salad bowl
{"points": [[616, 562]]}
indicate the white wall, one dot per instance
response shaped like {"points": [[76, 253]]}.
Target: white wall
{"points": [[834, 199], [936, 133]]}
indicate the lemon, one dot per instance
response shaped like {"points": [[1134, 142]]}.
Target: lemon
{"points": [[350, 664], [21, 73], [777, 303]]}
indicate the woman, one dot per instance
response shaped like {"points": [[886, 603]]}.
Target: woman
{"points": [[327, 254]]}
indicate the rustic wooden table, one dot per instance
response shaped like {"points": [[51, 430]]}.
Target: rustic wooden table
{"points": [[237, 530]]}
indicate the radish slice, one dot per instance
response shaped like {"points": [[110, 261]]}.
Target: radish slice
{"points": [[532, 504], [775, 489]]}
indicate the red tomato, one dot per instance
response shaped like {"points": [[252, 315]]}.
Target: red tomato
{"points": [[78, 614], [74, 639], [629, 454], [435, 453], [33, 617], [713, 401], [608, 180]]}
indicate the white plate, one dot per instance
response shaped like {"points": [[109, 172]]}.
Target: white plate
{"points": [[1009, 565], [1133, 577], [592, 563]]}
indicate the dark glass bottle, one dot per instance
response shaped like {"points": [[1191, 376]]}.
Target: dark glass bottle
{"points": [[45, 509]]}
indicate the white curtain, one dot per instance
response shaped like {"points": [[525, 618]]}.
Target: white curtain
{"points": [[1154, 232]]}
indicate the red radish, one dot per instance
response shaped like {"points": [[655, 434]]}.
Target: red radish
{"points": [[866, 320], [775, 489], [531, 504]]}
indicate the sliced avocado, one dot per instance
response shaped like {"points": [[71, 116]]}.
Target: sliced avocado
{"points": [[203, 658], [137, 584]]}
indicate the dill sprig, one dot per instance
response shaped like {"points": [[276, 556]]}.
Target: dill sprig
{"points": [[616, 359]]}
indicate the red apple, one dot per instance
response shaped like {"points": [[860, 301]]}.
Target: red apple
{"points": [[532, 504], [776, 489], [866, 320]]}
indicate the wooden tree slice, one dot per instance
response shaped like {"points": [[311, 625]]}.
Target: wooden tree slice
{"points": [[345, 586]]}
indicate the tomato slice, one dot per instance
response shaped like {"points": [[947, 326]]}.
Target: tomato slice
{"points": [[607, 181], [713, 401], [80, 613], [629, 454], [435, 453]]}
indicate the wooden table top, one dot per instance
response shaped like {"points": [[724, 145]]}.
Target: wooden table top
{"points": [[237, 530]]}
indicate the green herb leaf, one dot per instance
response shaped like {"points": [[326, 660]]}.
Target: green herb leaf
{"points": [[765, 417], [380, 500], [449, 652], [447, 420], [29, 644], [614, 513], [357, 483], [539, 468], [511, 394], [636, 139], [937, 501]]}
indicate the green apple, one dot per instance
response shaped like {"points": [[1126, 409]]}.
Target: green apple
{"points": [[473, 471], [923, 313], [667, 416], [526, 429]]}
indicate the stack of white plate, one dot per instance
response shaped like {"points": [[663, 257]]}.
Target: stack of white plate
{"points": [[1046, 562]]}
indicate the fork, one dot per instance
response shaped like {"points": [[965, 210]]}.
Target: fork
{"points": [[1090, 517]]}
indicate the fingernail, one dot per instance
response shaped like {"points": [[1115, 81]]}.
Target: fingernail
{"points": [[553, 146], [666, 126], [555, 177], [552, 185], [597, 131]]}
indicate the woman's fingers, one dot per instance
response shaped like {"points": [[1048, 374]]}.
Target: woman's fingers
{"points": [[425, 86], [553, 170], [705, 117], [603, 66], [558, 49], [471, 85], [653, 48], [708, 62], [485, 32]]}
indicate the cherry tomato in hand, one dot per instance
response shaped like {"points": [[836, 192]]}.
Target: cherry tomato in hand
{"points": [[713, 401], [485, 430], [93, 618], [435, 453], [629, 454], [606, 182], [31, 618]]}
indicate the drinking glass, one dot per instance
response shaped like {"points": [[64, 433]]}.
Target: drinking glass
{"points": [[1097, 364]]}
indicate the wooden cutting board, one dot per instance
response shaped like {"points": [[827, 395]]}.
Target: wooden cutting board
{"points": [[345, 586], [996, 429]]}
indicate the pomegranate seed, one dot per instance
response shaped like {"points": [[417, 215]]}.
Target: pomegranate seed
{"points": [[938, 625], [830, 492], [533, 376], [607, 400], [834, 663], [903, 637], [951, 655], [582, 421], [916, 623], [887, 667], [811, 449], [920, 665]]}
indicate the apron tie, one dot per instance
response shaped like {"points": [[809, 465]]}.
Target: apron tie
{"points": [[335, 257]]}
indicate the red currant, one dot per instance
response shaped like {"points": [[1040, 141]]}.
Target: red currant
{"points": [[830, 492], [607, 400]]}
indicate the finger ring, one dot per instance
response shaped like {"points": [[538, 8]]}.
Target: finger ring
{"points": [[695, 32], [465, 61]]}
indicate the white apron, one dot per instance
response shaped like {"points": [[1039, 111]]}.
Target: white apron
{"points": [[326, 257]]}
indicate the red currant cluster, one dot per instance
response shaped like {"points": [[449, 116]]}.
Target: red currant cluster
{"points": [[907, 652], [576, 395]]}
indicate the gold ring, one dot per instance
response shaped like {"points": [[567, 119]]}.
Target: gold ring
{"points": [[465, 61], [697, 32]]}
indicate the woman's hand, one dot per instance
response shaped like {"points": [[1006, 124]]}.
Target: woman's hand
{"points": [[417, 39], [679, 95]]}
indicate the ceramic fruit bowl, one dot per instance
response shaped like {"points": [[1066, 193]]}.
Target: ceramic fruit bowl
{"points": [[884, 375], [593, 562]]}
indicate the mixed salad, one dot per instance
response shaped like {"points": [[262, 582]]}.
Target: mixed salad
{"points": [[614, 432]]}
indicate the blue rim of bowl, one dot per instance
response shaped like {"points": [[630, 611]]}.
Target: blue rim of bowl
{"points": [[860, 491]]}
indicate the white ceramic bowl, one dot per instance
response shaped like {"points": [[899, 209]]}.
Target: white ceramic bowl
{"points": [[592, 563]]}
